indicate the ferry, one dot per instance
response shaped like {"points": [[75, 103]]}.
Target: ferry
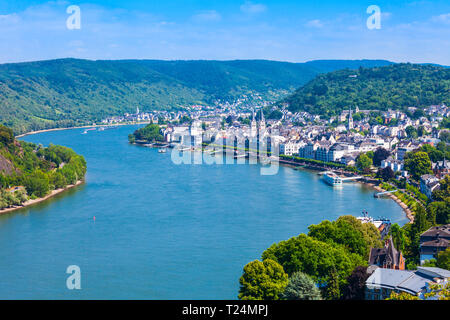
{"points": [[382, 224], [332, 179]]}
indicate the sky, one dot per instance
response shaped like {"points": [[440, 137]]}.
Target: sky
{"points": [[283, 30]]}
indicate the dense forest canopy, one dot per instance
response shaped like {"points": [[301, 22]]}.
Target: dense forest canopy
{"points": [[70, 92], [397, 86], [37, 169]]}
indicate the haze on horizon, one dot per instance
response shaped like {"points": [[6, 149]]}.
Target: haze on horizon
{"points": [[282, 30]]}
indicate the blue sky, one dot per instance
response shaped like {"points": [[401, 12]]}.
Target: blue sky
{"points": [[285, 30]]}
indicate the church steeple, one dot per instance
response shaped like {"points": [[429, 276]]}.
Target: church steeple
{"points": [[262, 122], [350, 119], [253, 128]]}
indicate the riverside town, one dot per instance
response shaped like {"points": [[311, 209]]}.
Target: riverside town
{"points": [[226, 159]]}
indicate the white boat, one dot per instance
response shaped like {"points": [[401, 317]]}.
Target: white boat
{"points": [[332, 179], [162, 150]]}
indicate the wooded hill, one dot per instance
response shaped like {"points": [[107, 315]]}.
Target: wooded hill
{"points": [[69, 92], [396, 86]]}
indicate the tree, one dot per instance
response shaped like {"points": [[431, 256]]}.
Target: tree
{"points": [[262, 281], [379, 155], [356, 283], [301, 287], [443, 259], [440, 210], [418, 164], [411, 132], [349, 232], [444, 190], [398, 237], [440, 291], [363, 163], [313, 257], [332, 291], [419, 225], [402, 296], [386, 173]]}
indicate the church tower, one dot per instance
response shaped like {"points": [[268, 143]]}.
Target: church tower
{"points": [[350, 119], [253, 128], [262, 123]]}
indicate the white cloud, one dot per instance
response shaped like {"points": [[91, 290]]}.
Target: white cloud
{"points": [[314, 24], [443, 18], [253, 8], [207, 16]]}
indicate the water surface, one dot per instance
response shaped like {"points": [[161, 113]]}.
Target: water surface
{"points": [[162, 231]]}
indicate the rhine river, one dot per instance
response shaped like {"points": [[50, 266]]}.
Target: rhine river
{"points": [[161, 230]]}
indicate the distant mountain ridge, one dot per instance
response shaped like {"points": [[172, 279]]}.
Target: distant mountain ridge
{"points": [[396, 86], [68, 92]]}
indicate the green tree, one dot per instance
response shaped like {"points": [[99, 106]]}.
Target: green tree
{"points": [[418, 164], [364, 163], [262, 281], [349, 232], [440, 210], [315, 258], [402, 296], [399, 237], [301, 287], [411, 132], [356, 284], [379, 155], [444, 190], [443, 259], [332, 291], [420, 225]]}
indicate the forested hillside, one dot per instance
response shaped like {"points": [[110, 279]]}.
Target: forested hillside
{"points": [[395, 86], [37, 169], [69, 92]]}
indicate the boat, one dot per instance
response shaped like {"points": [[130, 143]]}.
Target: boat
{"points": [[382, 224], [332, 178], [162, 150]]}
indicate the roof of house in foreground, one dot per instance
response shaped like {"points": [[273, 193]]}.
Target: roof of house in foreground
{"points": [[404, 280]]}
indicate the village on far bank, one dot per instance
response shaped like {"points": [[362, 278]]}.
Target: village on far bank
{"points": [[405, 154], [339, 140]]}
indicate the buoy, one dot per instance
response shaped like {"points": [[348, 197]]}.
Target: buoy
{"points": [[94, 218]]}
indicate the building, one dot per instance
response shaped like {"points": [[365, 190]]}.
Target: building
{"points": [[382, 282], [387, 257], [428, 184], [350, 120], [433, 241], [395, 165], [291, 147], [441, 168]]}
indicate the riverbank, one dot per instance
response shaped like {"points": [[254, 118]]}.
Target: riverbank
{"points": [[406, 209], [79, 127], [31, 202]]}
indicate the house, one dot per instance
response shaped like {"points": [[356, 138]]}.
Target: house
{"points": [[387, 257], [428, 184], [382, 282], [395, 165], [441, 168], [291, 147], [433, 241]]}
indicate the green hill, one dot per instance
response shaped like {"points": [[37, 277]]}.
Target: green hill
{"points": [[396, 86], [69, 92], [36, 169]]}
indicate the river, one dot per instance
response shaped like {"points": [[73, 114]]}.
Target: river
{"points": [[161, 230]]}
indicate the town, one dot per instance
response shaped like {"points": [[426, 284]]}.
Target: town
{"points": [[385, 148]]}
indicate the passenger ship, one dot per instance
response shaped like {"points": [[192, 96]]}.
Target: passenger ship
{"points": [[332, 179]]}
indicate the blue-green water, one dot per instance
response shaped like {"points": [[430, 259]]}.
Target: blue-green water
{"points": [[162, 231]]}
